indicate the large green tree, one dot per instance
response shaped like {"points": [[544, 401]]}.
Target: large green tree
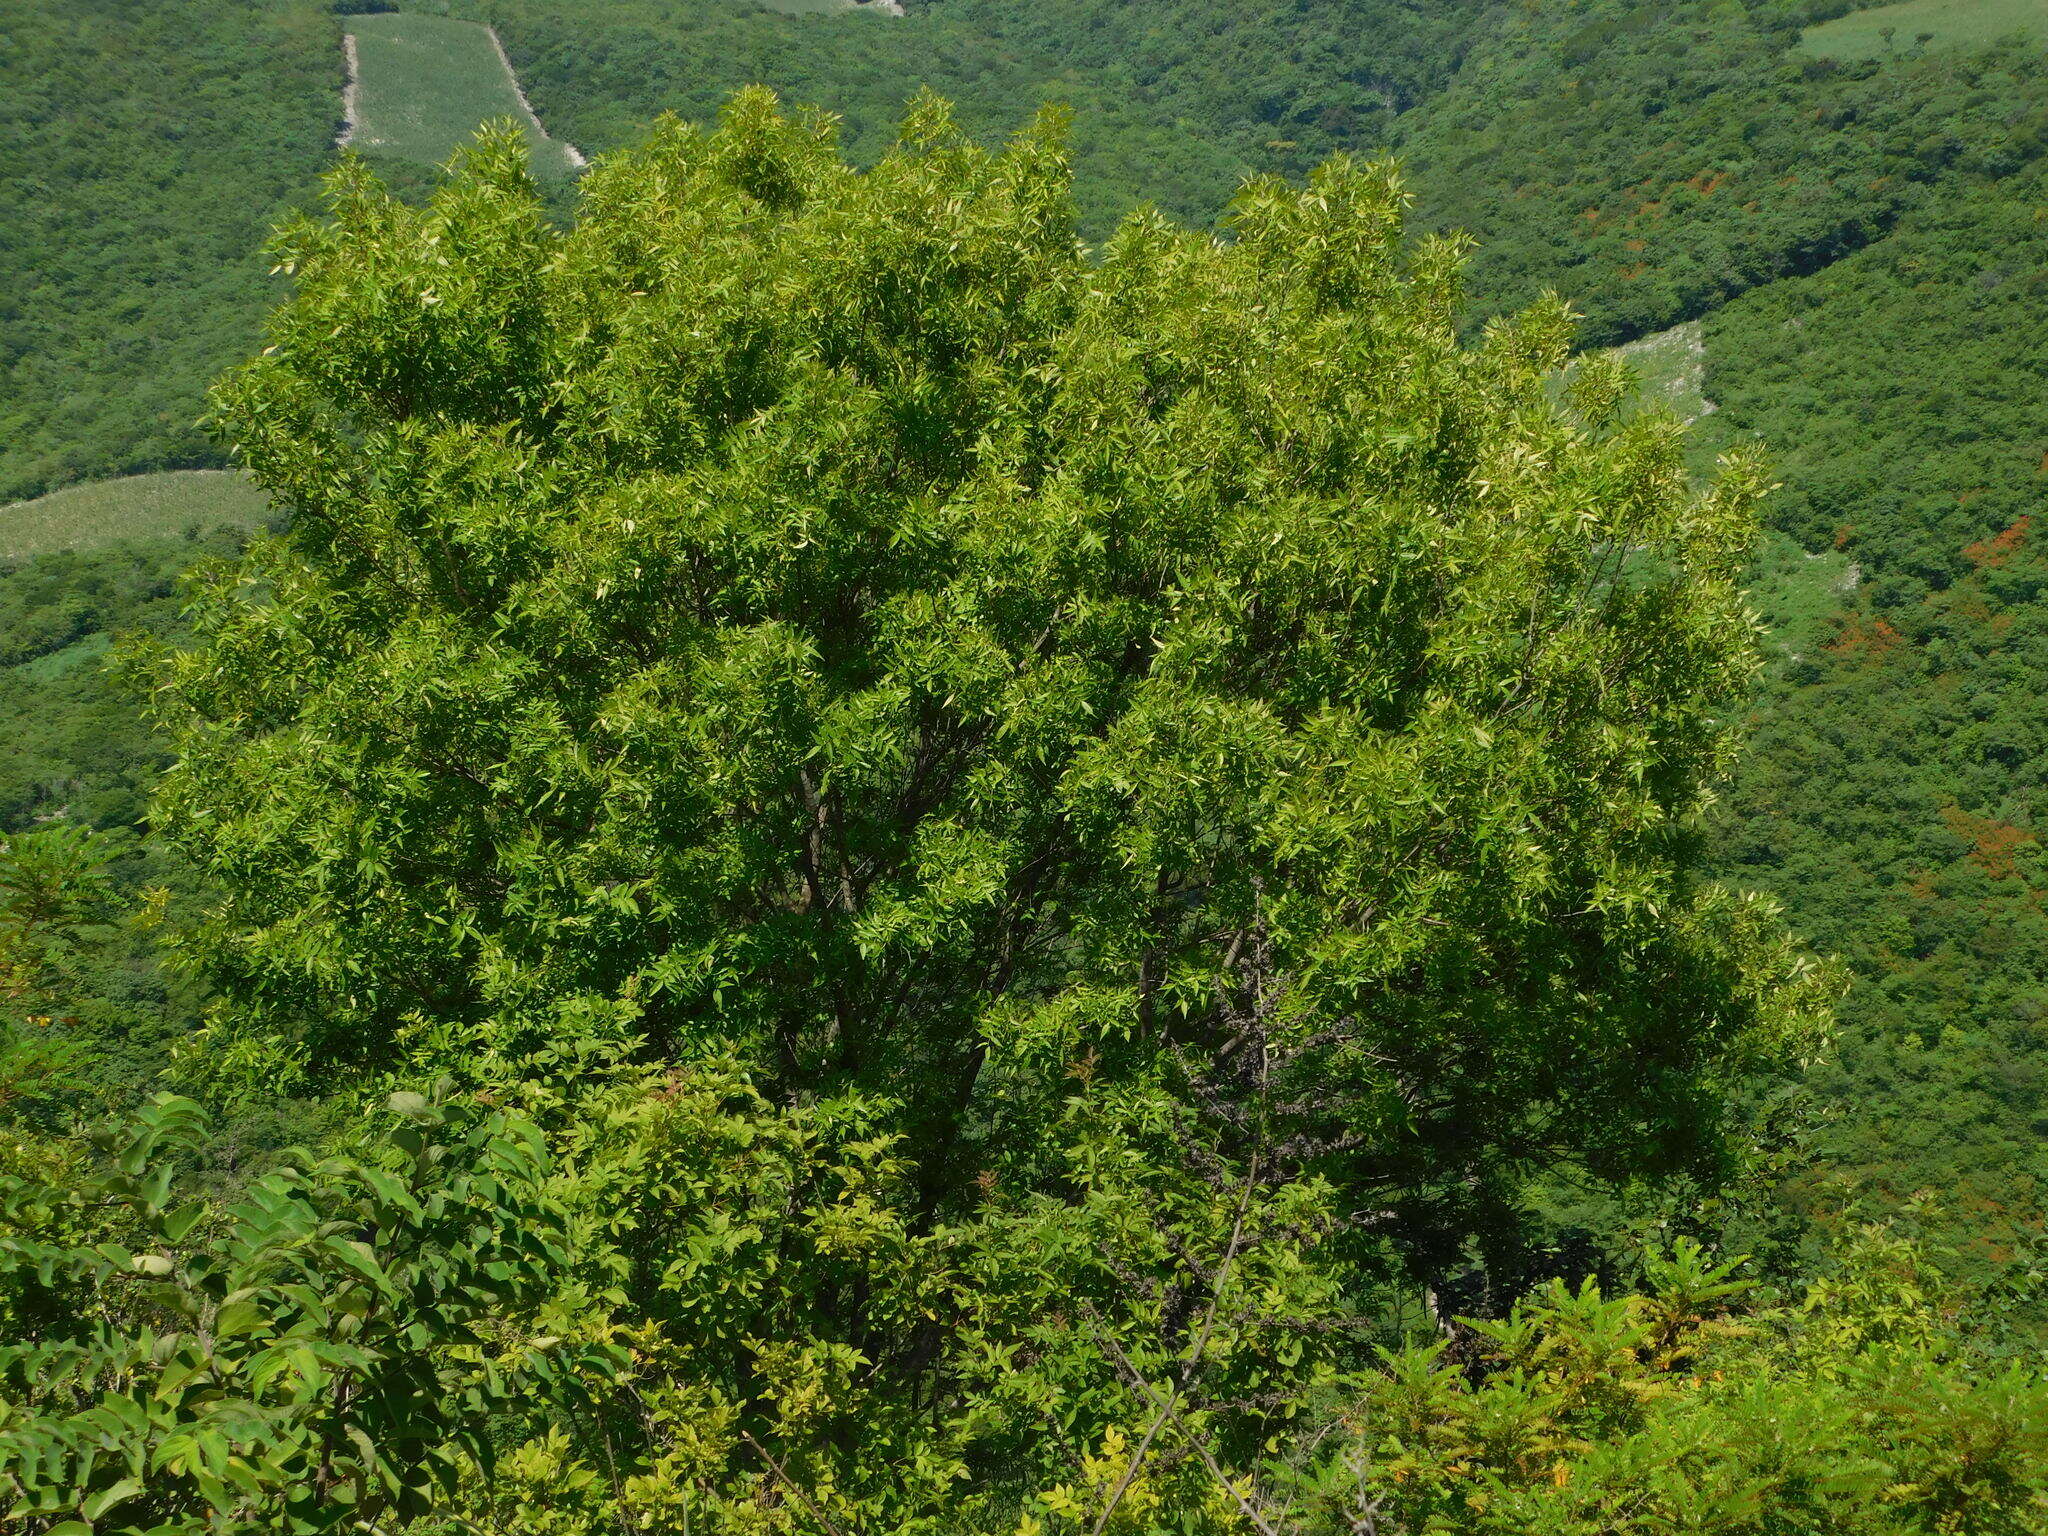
{"points": [[1145, 771], [837, 616]]}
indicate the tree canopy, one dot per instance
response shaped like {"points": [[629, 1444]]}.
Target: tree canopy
{"points": [[834, 617], [1031, 824]]}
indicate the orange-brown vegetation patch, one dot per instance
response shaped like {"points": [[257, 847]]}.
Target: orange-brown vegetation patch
{"points": [[1968, 603], [1872, 639], [1994, 844], [2000, 547]]}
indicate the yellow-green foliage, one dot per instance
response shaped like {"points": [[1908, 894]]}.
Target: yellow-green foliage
{"points": [[135, 507], [1666, 1412], [424, 84], [1123, 799], [1891, 30]]}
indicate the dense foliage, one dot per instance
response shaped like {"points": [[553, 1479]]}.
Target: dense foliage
{"points": [[1894, 800], [1648, 160], [1654, 162], [1032, 857], [149, 149], [961, 651], [1129, 803], [88, 1014], [90, 1018], [316, 1356], [77, 748]]}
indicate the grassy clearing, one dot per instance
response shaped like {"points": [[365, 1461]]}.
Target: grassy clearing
{"points": [[140, 506], [829, 7], [1672, 366], [1798, 595], [425, 83], [1892, 30]]}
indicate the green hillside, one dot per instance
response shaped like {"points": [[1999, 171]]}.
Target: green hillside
{"points": [[150, 150], [1172, 105]]}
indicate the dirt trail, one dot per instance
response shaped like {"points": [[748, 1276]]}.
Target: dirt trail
{"points": [[350, 90], [575, 155]]}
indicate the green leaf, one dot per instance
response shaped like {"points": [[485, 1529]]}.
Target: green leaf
{"points": [[97, 1505], [237, 1318], [413, 1107], [181, 1221]]}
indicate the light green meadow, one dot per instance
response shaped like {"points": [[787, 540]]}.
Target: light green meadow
{"points": [[135, 507], [1672, 368], [424, 84], [1948, 23]]}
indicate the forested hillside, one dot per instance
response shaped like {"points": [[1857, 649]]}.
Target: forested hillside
{"points": [[149, 148], [1010, 867], [1894, 798], [1173, 105], [1655, 161]]}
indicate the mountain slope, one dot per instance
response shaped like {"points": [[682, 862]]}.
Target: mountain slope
{"points": [[150, 149], [1896, 794]]}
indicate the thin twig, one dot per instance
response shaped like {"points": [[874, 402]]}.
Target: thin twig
{"points": [[1195, 1441], [787, 1482], [1130, 1472]]}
